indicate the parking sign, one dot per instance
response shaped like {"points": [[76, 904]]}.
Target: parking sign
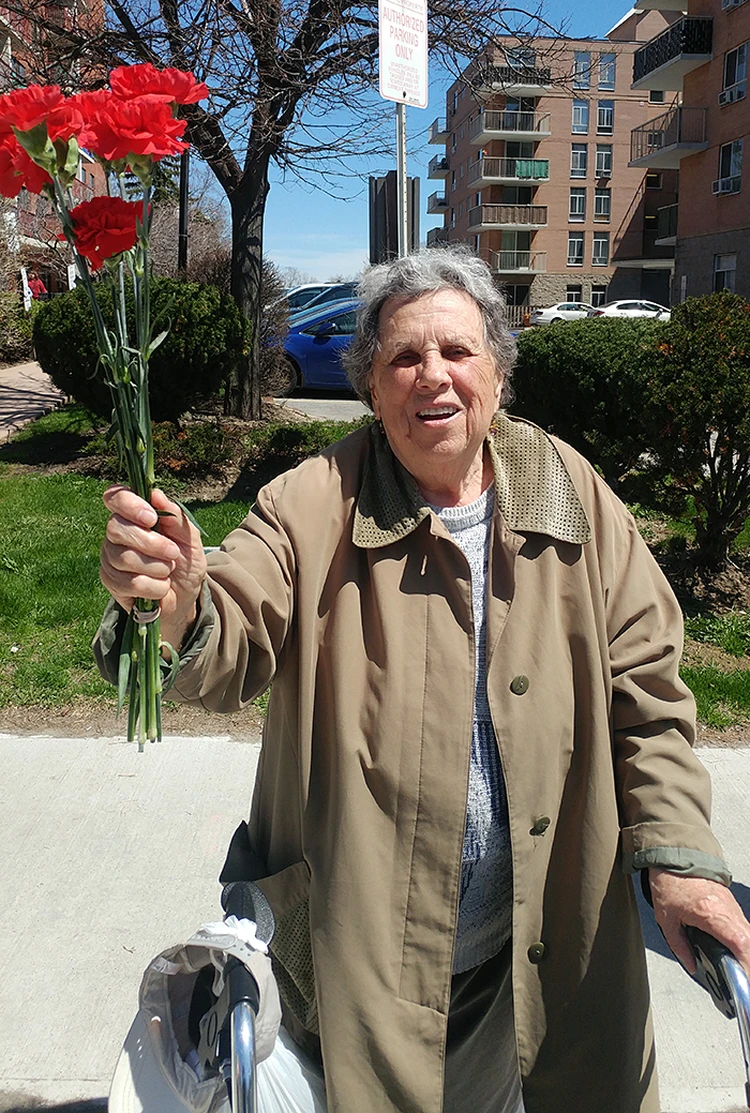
{"points": [[403, 51]]}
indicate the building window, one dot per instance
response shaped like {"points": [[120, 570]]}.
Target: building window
{"points": [[452, 223], [607, 67], [579, 157], [575, 249], [453, 180], [600, 253], [454, 104], [605, 117], [521, 57], [735, 73], [580, 124], [581, 69], [656, 96], [730, 168], [574, 293], [577, 208], [461, 170], [463, 131], [604, 160], [476, 244], [598, 295], [653, 181], [724, 271], [453, 143], [602, 204], [460, 208]]}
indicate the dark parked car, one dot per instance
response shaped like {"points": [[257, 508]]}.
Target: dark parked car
{"points": [[315, 343]]}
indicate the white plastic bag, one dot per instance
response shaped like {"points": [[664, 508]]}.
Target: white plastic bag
{"points": [[289, 1082]]}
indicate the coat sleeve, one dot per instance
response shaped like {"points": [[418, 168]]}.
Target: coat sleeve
{"points": [[664, 790], [245, 613], [252, 583]]}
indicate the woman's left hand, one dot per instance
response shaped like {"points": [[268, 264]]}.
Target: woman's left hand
{"points": [[680, 900]]}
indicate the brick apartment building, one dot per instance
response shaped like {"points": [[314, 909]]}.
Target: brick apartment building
{"points": [[536, 170], [31, 229], [702, 60]]}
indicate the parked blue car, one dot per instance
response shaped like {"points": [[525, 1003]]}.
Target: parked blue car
{"points": [[315, 343]]}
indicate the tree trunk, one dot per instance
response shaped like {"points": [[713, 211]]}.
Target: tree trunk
{"points": [[248, 203], [714, 537]]}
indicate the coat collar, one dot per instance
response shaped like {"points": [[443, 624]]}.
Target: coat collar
{"points": [[534, 490]]}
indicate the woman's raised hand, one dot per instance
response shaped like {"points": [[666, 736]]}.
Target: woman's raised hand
{"points": [[139, 562]]}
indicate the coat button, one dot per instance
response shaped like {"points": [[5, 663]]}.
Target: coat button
{"points": [[519, 685], [536, 953], [540, 825]]}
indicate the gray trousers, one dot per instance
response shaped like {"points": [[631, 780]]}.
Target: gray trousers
{"points": [[481, 1068]]}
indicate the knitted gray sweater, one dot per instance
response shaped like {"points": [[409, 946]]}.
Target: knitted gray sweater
{"points": [[485, 908]]}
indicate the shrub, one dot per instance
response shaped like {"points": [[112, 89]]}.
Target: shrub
{"points": [[697, 410], [16, 345], [207, 339], [582, 381]]}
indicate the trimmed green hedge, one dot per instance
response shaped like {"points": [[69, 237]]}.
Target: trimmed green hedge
{"points": [[208, 337]]}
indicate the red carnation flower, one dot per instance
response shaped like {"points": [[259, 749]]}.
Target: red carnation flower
{"points": [[104, 227], [17, 170], [175, 86], [65, 121], [116, 128], [25, 108]]}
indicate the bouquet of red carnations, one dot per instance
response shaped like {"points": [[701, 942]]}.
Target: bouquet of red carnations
{"points": [[127, 127]]}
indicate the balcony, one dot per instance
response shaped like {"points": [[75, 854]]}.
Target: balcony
{"points": [[515, 81], [438, 131], [437, 236], [438, 167], [666, 226], [662, 142], [437, 203], [526, 218], [663, 62], [489, 170], [521, 126], [517, 262]]}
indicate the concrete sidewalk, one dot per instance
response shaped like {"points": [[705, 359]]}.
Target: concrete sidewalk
{"points": [[25, 393], [110, 856]]}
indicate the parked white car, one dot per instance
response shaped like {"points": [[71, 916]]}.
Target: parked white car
{"points": [[562, 311], [630, 308]]}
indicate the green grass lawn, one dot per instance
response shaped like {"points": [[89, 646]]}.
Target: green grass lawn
{"points": [[51, 600]]}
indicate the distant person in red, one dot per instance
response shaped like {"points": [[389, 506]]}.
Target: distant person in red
{"points": [[36, 285]]}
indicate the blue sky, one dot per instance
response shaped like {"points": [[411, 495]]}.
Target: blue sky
{"points": [[326, 237]]}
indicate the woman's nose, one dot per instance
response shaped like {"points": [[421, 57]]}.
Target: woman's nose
{"points": [[433, 371]]}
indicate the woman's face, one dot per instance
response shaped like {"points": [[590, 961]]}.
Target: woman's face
{"points": [[434, 385]]}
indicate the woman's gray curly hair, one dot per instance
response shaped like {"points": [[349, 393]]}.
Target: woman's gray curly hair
{"points": [[435, 268]]}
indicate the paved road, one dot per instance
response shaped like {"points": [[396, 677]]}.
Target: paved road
{"points": [[109, 856], [333, 407], [25, 393]]}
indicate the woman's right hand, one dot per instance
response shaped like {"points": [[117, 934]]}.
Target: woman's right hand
{"points": [[139, 562]]}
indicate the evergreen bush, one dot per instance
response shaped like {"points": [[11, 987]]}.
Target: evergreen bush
{"points": [[697, 411], [207, 339], [583, 381]]}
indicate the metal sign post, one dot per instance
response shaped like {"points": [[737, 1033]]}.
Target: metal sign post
{"points": [[401, 203], [403, 78]]}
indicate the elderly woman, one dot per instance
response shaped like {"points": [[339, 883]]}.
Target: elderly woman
{"points": [[476, 730]]}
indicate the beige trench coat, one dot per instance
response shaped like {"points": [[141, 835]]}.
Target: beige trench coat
{"points": [[347, 591]]}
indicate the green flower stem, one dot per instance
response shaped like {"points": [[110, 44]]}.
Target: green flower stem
{"points": [[126, 368]]}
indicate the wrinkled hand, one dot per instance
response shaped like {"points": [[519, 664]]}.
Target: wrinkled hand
{"points": [[680, 900], [138, 562]]}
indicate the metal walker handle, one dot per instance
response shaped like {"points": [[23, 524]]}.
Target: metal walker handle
{"points": [[723, 977]]}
